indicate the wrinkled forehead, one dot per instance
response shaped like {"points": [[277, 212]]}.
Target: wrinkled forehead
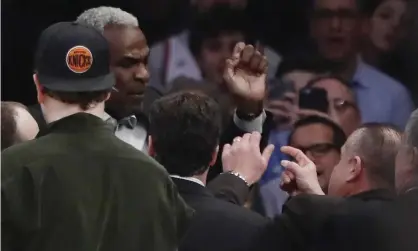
{"points": [[126, 40], [335, 89]]}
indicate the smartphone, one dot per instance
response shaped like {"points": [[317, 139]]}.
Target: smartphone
{"points": [[313, 99], [277, 88]]}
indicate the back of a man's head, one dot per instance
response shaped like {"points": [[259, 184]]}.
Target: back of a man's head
{"points": [[407, 160], [377, 145], [17, 125], [72, 71], [185, 129]]}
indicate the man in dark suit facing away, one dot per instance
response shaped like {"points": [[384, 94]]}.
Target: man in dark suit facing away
{"points": [[185, 129]]}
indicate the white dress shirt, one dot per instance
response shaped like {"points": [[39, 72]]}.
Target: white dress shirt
{"points": [[192, 179]]}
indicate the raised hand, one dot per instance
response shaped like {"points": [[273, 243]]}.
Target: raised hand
{"points": [[245, 73]]}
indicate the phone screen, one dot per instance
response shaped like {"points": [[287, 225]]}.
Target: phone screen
{"points": [[313, 99]]}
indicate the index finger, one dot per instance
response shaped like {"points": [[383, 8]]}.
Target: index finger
{"points": [[239, 47], [297, 154]]}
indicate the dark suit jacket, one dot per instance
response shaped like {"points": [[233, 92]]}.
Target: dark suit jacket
{"points": [[218, 225], [327, 223], [401, 232]]}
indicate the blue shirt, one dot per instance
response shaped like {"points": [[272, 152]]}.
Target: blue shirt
{"points": [[380, 98]]}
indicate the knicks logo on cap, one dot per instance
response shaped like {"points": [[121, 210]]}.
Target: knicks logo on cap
{"points": [[79, 59]]}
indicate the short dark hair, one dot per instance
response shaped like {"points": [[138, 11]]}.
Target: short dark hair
{"points": [[338, 135], [378, 145], [84, 99], [185, 128], [339, 79], [310, 62], [9, 135], [327, 77], [219, 20]]}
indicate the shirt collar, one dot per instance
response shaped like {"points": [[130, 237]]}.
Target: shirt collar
{"points": [[192, 179], [411, 189], [130, 121], [74, 123]]}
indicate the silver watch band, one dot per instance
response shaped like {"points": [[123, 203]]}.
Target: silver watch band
{"points": [[239, 176]]}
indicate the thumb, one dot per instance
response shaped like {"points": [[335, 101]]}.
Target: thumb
{"points": [[268, 151]]}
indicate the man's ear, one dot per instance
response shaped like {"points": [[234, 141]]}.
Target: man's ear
{"points": [[39, 89], [355, 169], [108, 96], [214, 156], [151, 150]]}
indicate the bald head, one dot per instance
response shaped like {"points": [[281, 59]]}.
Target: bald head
{"points": [[377, 146], [17, 125]]}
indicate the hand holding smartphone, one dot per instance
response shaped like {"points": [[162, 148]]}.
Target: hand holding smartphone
{"points": [[313, 99]]}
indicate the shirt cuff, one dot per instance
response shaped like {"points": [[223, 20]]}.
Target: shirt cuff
{"points": [[251, 126]]}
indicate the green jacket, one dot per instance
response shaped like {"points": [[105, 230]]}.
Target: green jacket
{"points": [[80, 188]]}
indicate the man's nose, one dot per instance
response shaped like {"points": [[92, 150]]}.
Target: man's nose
{"points": [[336, 23], [142, 73]]}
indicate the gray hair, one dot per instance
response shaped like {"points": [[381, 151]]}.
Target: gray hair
{"points": [[411, 130], [102, 16]]}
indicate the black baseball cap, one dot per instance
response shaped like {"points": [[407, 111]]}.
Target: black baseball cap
{"points": [[73, 57]]}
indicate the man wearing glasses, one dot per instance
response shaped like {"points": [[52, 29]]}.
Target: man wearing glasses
{"points": [[321, 140]]}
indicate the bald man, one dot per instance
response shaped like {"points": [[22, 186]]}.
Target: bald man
{"points": [[367, 161], [17, 125], [361, 184]]}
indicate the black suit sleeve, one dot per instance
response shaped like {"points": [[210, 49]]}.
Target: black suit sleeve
{"points": [[297, 227], [228, 136], [229, 188]]}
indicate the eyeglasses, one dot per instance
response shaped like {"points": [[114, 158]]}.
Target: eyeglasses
{"points": [[319, 150], [342, 105]]}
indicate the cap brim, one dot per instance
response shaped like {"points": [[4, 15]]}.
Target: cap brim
{"points": [[82, 85]]}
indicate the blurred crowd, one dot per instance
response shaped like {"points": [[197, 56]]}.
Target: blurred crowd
{"points": [[209, 125]]}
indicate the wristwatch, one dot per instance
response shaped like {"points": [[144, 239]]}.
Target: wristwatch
{"points": [[240, 176]]}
